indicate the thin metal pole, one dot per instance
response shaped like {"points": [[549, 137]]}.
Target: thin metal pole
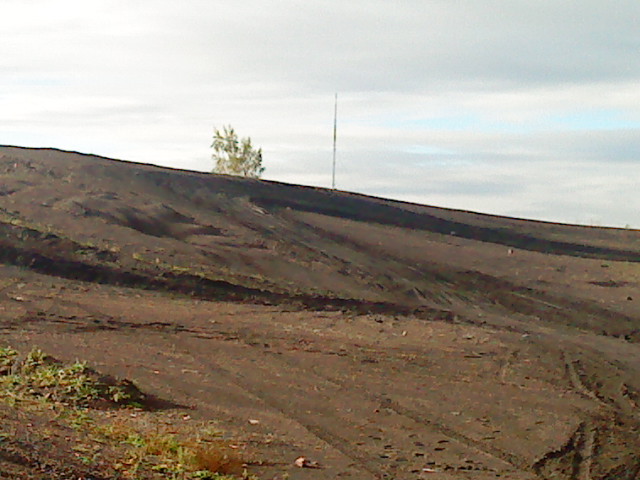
{"points": [[335, 129]]}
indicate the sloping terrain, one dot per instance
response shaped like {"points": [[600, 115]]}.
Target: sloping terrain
{"points": [[379, 338]]}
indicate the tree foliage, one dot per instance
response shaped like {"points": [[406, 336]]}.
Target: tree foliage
{"points": [[235, 156]]}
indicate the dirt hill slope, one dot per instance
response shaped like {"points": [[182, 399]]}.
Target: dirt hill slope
{"points": [[385, 339]]}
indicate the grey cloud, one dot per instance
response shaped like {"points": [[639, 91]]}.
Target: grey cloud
{"points": [[356, 46], [369, 46]]}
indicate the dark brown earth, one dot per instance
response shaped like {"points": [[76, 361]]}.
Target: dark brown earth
{"points": [[382, 339]]}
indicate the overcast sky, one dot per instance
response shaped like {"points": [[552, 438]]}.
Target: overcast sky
{"points": [[521, 108]]}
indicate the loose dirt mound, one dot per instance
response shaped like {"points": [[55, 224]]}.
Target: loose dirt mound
{"points": [[379, 339]]}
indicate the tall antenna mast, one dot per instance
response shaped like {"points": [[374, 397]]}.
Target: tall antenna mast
{"points": [[335, 127]]}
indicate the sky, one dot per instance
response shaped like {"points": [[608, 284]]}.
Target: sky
{"points": [[522, 108]]}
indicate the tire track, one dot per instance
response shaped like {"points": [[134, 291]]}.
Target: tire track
{"points": [[344, 446], [559, 454], [577, 453], [337, 443], [577, 384], [587, 447], [510, 459], [625, 393], [483, 448]]}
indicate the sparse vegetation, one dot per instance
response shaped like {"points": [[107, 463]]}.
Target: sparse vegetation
{"points": [[144, 449], [235, 156], [168, 455], [39, 376]]}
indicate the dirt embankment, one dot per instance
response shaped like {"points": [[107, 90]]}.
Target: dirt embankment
{"points": [[379, 339]]}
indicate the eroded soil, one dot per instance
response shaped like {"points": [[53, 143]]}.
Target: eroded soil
{"points": [[379, 339]]}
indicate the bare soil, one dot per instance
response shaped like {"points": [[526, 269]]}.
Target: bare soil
{"points": [[381, 339]]}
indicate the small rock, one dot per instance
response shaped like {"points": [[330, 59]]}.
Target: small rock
{"points": [[304, 462], [253, 421]]}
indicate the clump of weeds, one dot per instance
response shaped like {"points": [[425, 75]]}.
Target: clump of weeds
{"points": [[110, 418], [38, 376], [173, 455]]}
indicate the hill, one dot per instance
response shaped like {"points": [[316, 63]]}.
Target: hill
{"points": [[381, 338]]}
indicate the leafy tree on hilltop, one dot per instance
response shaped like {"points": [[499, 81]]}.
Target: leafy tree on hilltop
{"points": [[235, 156]]}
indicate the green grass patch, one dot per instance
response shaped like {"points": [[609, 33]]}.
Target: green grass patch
{"points": [[109, 416], [37, 376]]}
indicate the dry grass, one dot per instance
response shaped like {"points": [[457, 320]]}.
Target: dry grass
{"points": [[171, 454], [218, 457]]}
